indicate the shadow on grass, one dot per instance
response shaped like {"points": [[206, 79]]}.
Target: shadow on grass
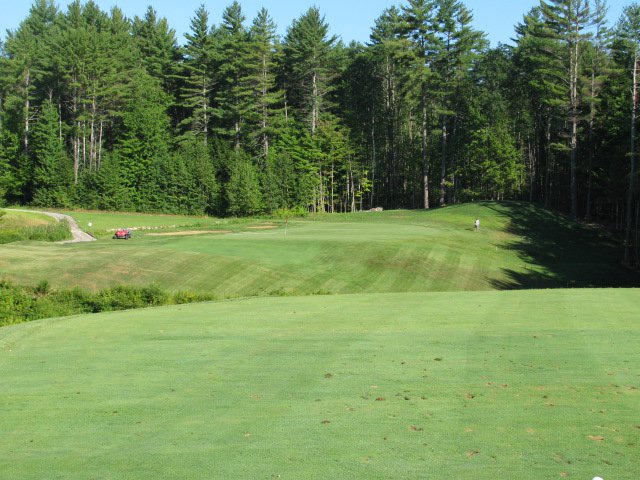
{"points": [[560, 253]]}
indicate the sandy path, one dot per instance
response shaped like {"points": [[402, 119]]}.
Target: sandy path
{"points": [[78, 235]]}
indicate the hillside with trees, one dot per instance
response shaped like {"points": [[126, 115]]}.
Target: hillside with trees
{"points": [[100, 111]]}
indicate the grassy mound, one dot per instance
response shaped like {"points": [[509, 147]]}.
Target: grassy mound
{"points": [[21, 226], [477, 385], [518, 246]]}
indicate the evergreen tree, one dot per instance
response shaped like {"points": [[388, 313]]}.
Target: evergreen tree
{"points": [[596, 70], [567, 20], [145, 141], [158, 45], [628, 46], [538, 70], [458, 44], [201, 191], [9, 189], [26, 66], [234, 94], [308, 63], [278, 182], [243, 189], [93, 60], [392, 57], [198, 79], [418, 27], [159, 52], [307, 51], [261, 78], [51, 175]]}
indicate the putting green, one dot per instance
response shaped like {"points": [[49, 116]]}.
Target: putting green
{"points": [[475, 385]]}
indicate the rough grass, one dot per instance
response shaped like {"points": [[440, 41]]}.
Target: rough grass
{"points": [[22, 304], [483, 385], [518, 246], [22, 226]]}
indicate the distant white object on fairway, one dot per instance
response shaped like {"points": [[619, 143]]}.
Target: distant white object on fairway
{"points": [[90, 224], [598, 478]]}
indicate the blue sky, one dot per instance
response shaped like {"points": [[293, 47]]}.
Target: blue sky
{"points": [[349, 19]]}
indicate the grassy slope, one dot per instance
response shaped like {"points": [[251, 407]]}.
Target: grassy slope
{"points": [[370, 252], [526, 385], [21, 226], [25, 219]]}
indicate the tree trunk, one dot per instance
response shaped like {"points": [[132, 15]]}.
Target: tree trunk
{"points": [[286, 106], [332, 200], [592, 114], [532, 170], [60, 121], [314, 105], [425, 162], [632, 173], [637, 246], [84, 144], [574, 129], [205, 110], [547, 147], [353, 192], [265, 112], [27, 110], [443, 166], [93, 163], [574, 151], [372, 195], [76, 140], [100, 145], [321, 190]]}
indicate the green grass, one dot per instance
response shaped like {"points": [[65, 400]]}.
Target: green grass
{"points": [[21, 226], [475, 385], [393, 381], [519, 246]]}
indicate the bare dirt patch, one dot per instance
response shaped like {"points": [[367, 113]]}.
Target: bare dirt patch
{"points": [[189, 232], [263, 227]]}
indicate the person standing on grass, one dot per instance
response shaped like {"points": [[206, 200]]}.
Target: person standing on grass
{"points": [[476, 224]]}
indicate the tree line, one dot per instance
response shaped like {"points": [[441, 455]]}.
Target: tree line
{"points": [[101, 111]]}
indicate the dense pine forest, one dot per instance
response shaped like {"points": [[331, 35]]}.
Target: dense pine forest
{"points": [[100, 111]]}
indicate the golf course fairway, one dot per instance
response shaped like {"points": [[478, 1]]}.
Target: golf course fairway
{"points": [[520, 246], [457, 385]]}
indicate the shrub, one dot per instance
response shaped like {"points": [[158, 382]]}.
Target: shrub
{"points": [[190, 297], [22, 304], [42, 288]]}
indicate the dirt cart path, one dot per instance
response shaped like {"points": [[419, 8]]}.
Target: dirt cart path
{"points": [[78, 235]]}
